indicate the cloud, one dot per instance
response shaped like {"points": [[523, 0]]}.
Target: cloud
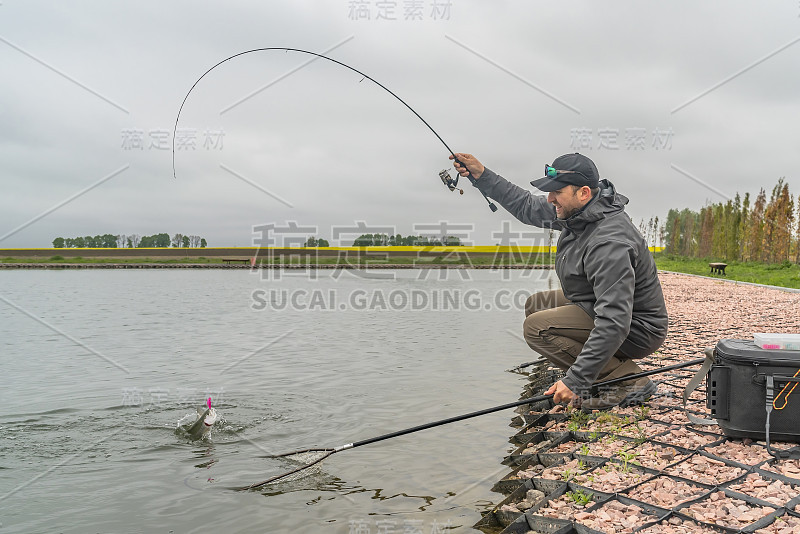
{"points": [[340, 149]]}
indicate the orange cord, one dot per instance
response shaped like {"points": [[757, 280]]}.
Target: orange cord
{"points": [[786, 398]]}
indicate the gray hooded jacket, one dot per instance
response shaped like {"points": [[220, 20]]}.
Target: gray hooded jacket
{"points": [[604, 267]]}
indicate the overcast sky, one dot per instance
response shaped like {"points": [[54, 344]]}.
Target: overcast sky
{"points": [[678, 103]]}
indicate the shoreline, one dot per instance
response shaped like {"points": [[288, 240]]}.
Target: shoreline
{"points": [[336, 266], [325, 266], [651, 466]]}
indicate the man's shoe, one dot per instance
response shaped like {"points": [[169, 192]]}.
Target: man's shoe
{"points": [[625, 394]]}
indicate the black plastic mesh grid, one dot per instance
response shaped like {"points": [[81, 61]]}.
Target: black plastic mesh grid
{"points": [[787, 468], [712, 475], [569, 501]]}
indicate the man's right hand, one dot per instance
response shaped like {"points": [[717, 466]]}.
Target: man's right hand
{"points": [[469, 165]]}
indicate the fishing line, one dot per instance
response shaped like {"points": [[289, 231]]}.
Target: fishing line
{"points": [[449, 182]]}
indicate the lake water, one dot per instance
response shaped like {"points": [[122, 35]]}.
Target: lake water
{"points": [[99, 367]]}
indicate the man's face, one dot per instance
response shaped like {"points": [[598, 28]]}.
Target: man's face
{"points": [[566, 201]]}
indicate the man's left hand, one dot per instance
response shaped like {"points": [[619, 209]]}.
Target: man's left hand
{"points": [[561, 393]]}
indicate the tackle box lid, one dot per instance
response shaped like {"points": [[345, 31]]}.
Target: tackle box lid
{"points": [[777, 341], [746, 351]]}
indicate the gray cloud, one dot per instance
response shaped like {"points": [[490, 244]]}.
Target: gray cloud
{"points": [[340, 150]]}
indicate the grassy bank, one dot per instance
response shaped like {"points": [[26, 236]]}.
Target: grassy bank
{"points": [[371, 258], [786, 274], [81, 260]]}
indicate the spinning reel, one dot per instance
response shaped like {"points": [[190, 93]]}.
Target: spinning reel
{"points": [[452, 185]]}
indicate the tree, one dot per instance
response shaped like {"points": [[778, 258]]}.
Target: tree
{"points": [[672, 231], [719, 231], [364, 240], [797, 247], [185, 241], [755, 230], [133, 240], [177, 239], [778, 221], [310, 242], [706, 234], [161, 240], [108, 241], [735, 213], [654, 232], [203, 243], [323, 243], [58, 242], [692, 232], [744, 221]]}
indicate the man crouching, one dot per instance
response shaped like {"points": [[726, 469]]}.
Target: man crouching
{"points": [[610, 309]]}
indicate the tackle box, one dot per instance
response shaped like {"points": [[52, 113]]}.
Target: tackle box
{"points": [[744, 380]]}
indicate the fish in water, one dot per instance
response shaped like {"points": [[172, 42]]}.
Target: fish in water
{"points": [[205, 421]]}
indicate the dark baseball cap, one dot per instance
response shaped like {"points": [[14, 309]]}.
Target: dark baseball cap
{"points": [[569, 169]]}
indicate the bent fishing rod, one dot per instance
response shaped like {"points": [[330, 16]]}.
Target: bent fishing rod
{"points": [[323, 453], [450, 183]]}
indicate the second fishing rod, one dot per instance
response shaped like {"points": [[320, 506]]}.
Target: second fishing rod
{"points": [[317, 455]]}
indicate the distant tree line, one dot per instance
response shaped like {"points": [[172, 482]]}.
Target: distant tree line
{"points": [[131, 241], [314, 242], [765, 231], [383, 240]]}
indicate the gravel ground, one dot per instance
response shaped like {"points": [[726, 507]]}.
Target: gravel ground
{"points": [[742, 451], [606, 447], [565, 507], [612, 477], [718, 509], [654, 456], [705, 470], [676, 525], [701, 311], [788, 468], [774, 492], [782, 525], [615, 517], [665, 492]]}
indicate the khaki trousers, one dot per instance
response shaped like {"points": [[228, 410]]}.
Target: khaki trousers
{"points": [[557, 329]]}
